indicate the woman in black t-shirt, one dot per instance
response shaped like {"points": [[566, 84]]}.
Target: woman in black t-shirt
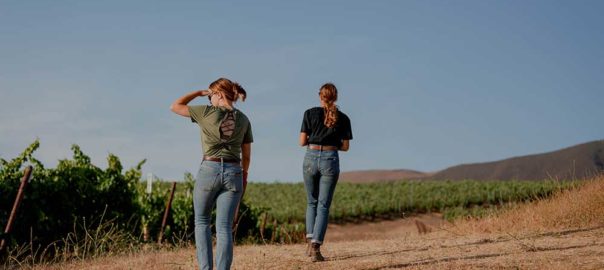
{"points": [[325, 130]]}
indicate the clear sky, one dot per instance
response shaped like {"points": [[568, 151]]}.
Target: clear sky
{"points": [[427, 84]]}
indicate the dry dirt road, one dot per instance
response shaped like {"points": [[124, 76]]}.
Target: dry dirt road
{"points": [[397, 244]]}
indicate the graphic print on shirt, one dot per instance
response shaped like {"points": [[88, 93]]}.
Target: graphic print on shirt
{"points": [[227, 127]]}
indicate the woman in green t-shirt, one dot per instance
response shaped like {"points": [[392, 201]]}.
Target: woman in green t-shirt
{"points": [[226, 137]]}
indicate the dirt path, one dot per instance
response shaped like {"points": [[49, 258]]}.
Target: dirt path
{"points": [[385, 229], [397, 245]]}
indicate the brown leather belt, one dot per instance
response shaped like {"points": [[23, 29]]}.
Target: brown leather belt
{"points": [[322, 147], [225, 160]]}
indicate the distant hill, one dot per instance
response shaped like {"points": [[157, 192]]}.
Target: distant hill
{"points": [[575, 162], [381, 175]]}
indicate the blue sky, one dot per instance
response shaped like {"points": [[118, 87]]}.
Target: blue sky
{"points": [[427, 84]]}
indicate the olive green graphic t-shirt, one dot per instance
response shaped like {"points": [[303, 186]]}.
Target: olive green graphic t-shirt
{"points": [[222, 131]]}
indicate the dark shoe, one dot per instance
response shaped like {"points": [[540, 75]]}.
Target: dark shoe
{"points": [[316, 253]]}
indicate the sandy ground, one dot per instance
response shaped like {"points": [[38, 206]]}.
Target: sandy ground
{"points": [[396, 244], [384, 229]]}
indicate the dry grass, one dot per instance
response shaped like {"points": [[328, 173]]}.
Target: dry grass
{"points": [[575, 208], [438, 250], [564, 232]]}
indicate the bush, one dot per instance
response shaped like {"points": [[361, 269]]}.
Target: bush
{"points": [[76, 189], [66, 202]]}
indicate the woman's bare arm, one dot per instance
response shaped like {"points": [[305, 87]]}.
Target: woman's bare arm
{"points": [[246, 154], [303, 139], [345, 145], [180, 105]]}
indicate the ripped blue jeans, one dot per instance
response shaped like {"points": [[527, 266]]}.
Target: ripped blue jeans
{"points": [[219, 184], [321, 172]]}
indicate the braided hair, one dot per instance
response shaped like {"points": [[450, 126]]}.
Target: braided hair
{"points": [[329, 96]]}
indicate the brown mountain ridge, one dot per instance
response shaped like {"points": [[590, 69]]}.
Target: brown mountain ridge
{"points": [[576, 162]]}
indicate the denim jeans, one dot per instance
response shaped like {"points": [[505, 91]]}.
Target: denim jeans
{"points": [[219, 184], [321, 171]]}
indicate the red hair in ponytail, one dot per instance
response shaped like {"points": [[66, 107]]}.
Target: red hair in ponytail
{"points": [[329, 96]]}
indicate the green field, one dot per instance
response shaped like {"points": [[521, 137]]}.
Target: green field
{"points": [[352, 202], [277, 210]]}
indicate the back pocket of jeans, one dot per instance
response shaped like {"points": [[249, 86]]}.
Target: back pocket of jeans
{"points": [[234, 181], [330, 166], [307, 167]]}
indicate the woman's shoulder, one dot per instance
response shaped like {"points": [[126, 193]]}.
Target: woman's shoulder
{"points": [[314, 110], [198, 112], [342, 114], [313, 113], [242, 115]]}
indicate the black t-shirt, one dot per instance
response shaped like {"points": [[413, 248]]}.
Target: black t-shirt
{"points": [[318, 133]]}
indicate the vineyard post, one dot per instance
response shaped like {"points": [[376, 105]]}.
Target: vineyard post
{"points": [[263, 225], [149, 191], [274, 235], [168, 205], [18, 199]]}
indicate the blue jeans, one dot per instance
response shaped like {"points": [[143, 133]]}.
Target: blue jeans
{"points": [[321, 171], [221, 184]]}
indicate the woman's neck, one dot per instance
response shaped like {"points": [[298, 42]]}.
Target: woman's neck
{"points": [[226, 104], [323, 104]]}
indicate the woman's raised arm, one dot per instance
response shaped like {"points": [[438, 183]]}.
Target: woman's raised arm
{"points": [[180, 105]]}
